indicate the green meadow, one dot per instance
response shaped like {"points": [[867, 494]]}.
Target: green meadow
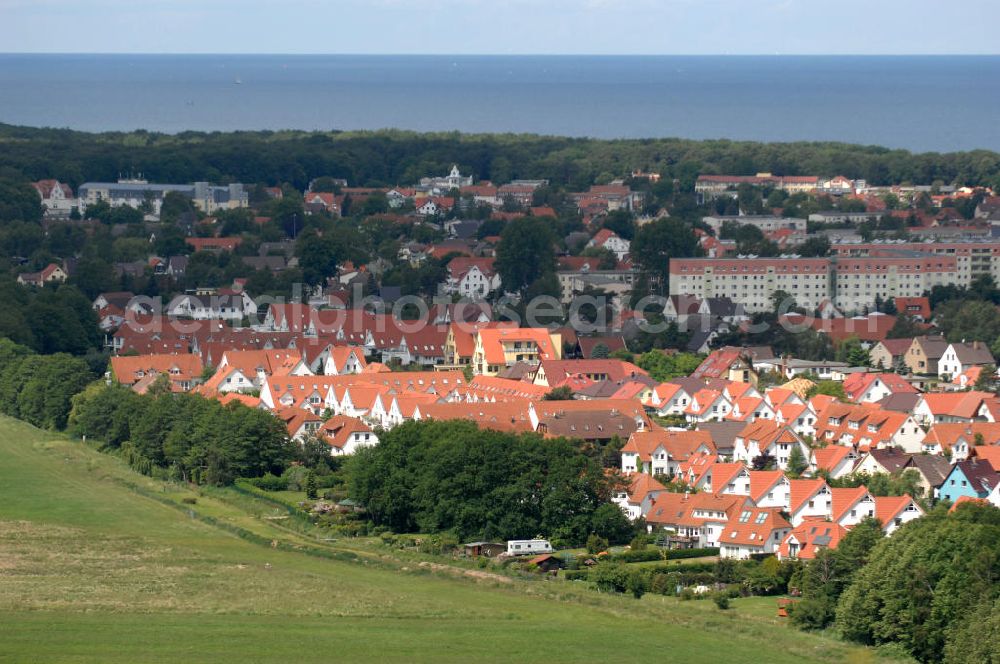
{"points": [[100, 564]]}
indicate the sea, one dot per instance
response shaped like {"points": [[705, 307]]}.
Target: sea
{"points": [[921, 103]]}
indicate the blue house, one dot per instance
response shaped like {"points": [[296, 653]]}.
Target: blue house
{"points": [[972, 478]]}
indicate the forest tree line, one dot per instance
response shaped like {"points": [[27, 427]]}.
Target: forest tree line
{"points": [[393, 157]]}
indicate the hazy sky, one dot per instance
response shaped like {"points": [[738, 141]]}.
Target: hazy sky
{"points": [[499, 26]]}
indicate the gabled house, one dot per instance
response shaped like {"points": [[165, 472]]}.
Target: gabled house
{"points": [[322, 201], [766, 437], [300, 423], [704, 473], [889, 461], [851, 505], [958, 440], [668, 399], [637, 494], [184, 370], [809, 498], [770, 488], [873, 387], [809, 538], [608, 239], [867, 427], [730, 363], [893, 511], [924, 353], [835, 460], [660, 452], [678, 308], [499, 347], [339, 360], [960, 357], [889, 353], [973, 478], [707, 406], [52, 273], [963, 407], [57, 198], [472, 278], [754, 531], [346, 434], [932, 470], [696, 520]]}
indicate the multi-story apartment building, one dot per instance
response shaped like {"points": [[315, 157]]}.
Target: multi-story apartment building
{"points": [[859, 282], [852, 282], [765, 222], [139, 193], [972, 259], [712, 186], [753, 281]]}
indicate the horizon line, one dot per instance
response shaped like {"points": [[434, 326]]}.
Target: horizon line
{"points": [[515, 55]]}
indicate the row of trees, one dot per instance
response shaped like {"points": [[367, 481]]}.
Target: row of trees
{"points": [[181, 435], [394, 157], [451, 476], [187, 436], [56, 319], [38, 388]]}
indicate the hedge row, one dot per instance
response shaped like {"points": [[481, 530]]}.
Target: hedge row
{"points": [[650, 554]]}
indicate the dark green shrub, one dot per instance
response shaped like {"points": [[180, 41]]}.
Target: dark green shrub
{"points": [[269, 482]]}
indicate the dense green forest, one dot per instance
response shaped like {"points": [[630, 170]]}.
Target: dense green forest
{"points": [[398, 157], [931, 589], [452, 476]]}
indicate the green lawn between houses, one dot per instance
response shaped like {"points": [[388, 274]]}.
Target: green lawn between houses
{"points": [[99, 564]]}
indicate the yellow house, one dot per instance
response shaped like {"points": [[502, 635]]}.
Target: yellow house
{"points": [[498, 348]]}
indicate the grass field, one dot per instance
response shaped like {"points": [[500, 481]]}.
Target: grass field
{"points": [[98, 564]]}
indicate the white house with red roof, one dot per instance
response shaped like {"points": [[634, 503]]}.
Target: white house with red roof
{"points": [[338, 360], [50, 274], [893, 511], [636, 497], [346, 434], [938, 407], [471, 277], [668, 399], [809, 538], [809, 498], [835, 460], [57, 198], [699, 517], [608, 239], [867, 427], [754, 531], [766, 437], [321, 200], [300, 423], [873, 387], [708, 406], [850, 505], [770, 488], [661, 451]]}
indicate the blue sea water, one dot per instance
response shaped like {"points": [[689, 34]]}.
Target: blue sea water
{"points": [[916, 102]]}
